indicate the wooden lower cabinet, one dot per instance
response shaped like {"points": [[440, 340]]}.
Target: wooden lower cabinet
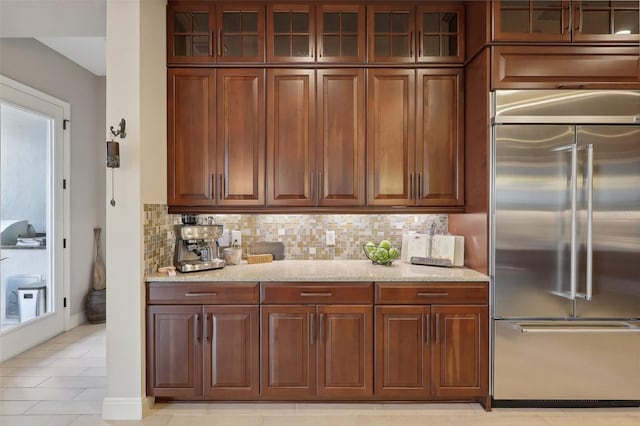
{"points": [[431, 352], [317, 352], [174, 352], [231, 354], [196, 352]]}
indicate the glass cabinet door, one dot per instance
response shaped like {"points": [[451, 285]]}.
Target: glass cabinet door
{"points": [[441, 34], [240, 33], [391, 33], [341, 33], [190, 35], [290, 33], [607, 21], [532, 20]]}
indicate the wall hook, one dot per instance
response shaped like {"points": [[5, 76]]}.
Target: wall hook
{"points": [[121, 130]]}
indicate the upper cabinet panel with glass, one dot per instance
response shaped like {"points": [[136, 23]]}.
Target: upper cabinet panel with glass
{"points": [[341, 33], [606, 21], [566, 21], [428, 33], [190, 32], [440, 34], [240, 32], [290, 33]]}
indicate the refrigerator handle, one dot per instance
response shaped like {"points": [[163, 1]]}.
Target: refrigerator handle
{"points": [[589, 272], [574, 239]]}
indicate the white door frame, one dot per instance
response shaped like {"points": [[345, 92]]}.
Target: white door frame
{"points": [[59, 223]]}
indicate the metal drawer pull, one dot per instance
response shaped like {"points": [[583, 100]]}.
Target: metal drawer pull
{"points": [[617, 328], [200, 294], [433, 294], [305, 294]]}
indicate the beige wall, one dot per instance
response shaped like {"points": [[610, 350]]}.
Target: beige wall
{"points": [[135, 91]]}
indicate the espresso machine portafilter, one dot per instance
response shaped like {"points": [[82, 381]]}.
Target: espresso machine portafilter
{"points": [[197, 247]]}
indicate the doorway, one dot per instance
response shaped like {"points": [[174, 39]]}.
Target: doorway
{"points": [[34, 165]]}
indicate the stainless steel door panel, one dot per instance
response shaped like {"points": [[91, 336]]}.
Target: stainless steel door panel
{"points": [[599, 360], [532, 220], [616, 221]]}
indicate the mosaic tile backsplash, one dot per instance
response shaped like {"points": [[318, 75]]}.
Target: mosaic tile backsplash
{"points": [[302, 232]]}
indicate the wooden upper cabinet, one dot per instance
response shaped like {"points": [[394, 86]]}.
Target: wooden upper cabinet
{"points": [[566, 21], [241, 137], [406, 34], [460, 351], [341, 33], [291, 145], [191, 137], [439, 137], [606, 21], [341, 137], [240, 32], [191, 32], [174, 351], [391, 31], [231, 352], [440, 33], [532, 20], [291, 33], [391, 137]]}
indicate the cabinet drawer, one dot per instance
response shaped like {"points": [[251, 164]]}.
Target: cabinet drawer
{"points": [[432, 293], [313, 293], [202, 293]]}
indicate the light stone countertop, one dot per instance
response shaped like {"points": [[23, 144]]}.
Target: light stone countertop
{"points": [[326, 270]]}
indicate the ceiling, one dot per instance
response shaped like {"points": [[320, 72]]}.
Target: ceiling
{"points": [[77, 32]]}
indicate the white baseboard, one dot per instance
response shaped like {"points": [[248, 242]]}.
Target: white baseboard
{"points": [[76, 320], [123, 408]]}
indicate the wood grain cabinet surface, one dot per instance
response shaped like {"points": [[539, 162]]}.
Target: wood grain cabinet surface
{"points": [[415, 161], [564, 21]]}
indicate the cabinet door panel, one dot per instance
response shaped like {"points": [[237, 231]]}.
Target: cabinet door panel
{"points": [[291, 33], [534, 21], [390, 137], [341, 33], [345, 352], [174, 351], [190, 33], [240, 32], [391, 31], [240, 141], [288, 352], [191, 137], [606, 21], [439, 138], [341, 137], [231, 355], [460, 358], [402, 355], [291, 144]]}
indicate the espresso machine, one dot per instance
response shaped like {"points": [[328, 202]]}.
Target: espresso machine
{"points": [[197, 247]]}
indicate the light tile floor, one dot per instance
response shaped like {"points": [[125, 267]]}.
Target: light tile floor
{"points": [[62, 383]]}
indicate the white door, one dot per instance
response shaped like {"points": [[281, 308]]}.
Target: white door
{"points": [[34, 166]]}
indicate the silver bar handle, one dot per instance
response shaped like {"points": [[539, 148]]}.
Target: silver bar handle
{"points": [[307, 294], [574, 239], [589, 271], [623, 328]]}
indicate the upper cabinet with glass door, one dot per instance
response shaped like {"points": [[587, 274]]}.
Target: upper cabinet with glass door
{"points": [[190, 32], [566, 21], [290, 33], [404, 33], [341, 33], [201, 32]]}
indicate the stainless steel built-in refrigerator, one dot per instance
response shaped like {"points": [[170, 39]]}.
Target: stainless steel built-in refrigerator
{"points": [[565, 246]]}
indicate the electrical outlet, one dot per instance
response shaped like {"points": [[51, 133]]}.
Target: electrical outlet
{"points": [[312, 250], [330, 238], [281, 232], [236, 237]]}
